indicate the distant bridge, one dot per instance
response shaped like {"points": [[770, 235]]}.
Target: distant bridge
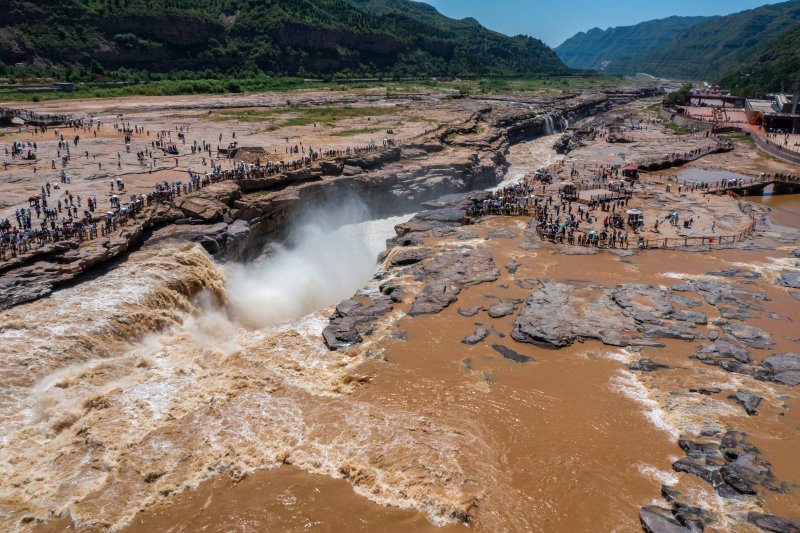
{"points": [[7, 116], [756, 186], [679, 159], [738, 101]]}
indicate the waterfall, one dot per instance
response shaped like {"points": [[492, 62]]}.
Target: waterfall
{"points": [[549, 128], [564, 124]]}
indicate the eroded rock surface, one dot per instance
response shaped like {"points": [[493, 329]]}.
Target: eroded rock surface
{"points": [[558, 314], [352, 319]]}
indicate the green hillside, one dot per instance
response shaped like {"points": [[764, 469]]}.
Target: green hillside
{"points": [[715, 47], [615, 49], [769, 67], [283, 37]]}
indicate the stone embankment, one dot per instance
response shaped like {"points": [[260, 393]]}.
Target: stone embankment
{"points": [[231, 219]]}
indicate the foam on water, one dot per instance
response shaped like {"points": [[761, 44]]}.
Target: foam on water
{"points": [[167, 363], [627, 384], [661, 476]]}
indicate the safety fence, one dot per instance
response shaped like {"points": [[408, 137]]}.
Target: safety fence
{"points": [[595, 240]]}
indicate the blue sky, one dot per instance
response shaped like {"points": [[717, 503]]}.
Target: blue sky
{"points": [[556, 20]]}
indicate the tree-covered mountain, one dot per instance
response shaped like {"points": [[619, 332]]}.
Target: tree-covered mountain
{"points": [[296, 37], [715, 47], [751, 51], [614, 49], [772, 66]]}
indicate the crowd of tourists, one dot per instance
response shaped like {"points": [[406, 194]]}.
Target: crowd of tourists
{"points": [[61, 221]]}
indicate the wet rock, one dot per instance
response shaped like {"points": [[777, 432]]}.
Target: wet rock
{"points": [[646, 365], [733, 273], [341, 334], [407, 240], [726, 297], [694, 317], [447, 274], [19, 289], [452, 215], [351, 170], [699, 449], [670, 493], [461, 268], [409, 257], [557, 315], [783, 362], [720, 349], [707, 391], [658, 520], [685, 300], [795, 253], [511, 355], [480, 335], [646, 342], [748, 400], [790, 280], [500, 310], [471, 311], [736, 478], [350, 315], [693, 466], [434, 298], [713, 334], [657, 306], [512, 266], [686, 333], [772, 523], [237, 239], [785, 368], [750, 335]]}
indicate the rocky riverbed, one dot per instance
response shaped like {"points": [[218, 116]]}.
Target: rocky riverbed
{"points": [[231, 219], [484, 378]]}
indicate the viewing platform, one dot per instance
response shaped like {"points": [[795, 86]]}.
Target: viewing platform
{"points": [[21, 117]]}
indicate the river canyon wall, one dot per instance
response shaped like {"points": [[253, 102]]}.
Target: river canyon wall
{"points": [[232, 219]]}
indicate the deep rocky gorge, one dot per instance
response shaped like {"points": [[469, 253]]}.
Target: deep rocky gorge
{"points": [[482, 366], [232, 220]]}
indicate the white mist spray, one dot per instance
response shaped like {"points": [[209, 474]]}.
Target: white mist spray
{"points": [[331, 256]]}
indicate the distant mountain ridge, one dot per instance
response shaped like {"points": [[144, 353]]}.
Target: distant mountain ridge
{"points": [[749, 51], [713, 48], [294, 37], [614, 49]]}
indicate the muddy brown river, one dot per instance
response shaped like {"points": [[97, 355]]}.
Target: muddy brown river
{"points": [[161, 405]]}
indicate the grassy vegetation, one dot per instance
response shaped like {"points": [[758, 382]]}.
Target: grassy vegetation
{"points": [[304, 116], [161, 88], [538, 84], [498, 86], [678, 129], [655, 108], [681, 96], [739, 137], [356, 131]]}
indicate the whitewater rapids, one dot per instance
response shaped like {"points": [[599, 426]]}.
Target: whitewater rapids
{"points": [[171, 369]]}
